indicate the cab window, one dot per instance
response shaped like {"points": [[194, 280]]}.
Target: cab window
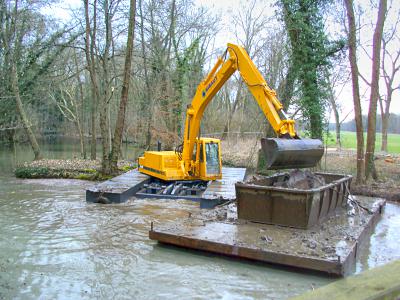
{"points": [[212, 158], [201, 153], [194, 151]]}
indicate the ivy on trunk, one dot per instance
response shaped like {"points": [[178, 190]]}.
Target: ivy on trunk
{"points": [[310, 54]]}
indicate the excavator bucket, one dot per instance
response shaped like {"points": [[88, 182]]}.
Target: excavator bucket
{"points": [[283, 153]]}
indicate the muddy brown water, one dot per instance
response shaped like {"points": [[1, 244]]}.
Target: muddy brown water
{"points": [[53, 245]]}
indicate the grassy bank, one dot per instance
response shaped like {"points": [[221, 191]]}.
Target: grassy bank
{"points": [[241, 153], [244, 153], [72, 169], [349, 141]]}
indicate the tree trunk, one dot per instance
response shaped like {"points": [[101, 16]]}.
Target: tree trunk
{"points": [[104, 115], [89, 51], [147, 92], [385, 125], [79, 112], [389, 77], [22, 114], [376, 50], [336, 115], [93, 139], [356, 90], [337, 126], [232, 112], [119, 126]]}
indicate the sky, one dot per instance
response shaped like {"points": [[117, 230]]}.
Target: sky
{"points": [[226, 9], [343, 92]]}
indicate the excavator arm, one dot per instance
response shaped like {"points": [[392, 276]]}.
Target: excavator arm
{"points": [[237, 59], [200, 158]]}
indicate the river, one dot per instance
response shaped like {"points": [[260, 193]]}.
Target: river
{"points": [[53, 245]]}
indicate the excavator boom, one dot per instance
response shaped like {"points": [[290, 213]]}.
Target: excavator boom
{"points": [[199, 158]]}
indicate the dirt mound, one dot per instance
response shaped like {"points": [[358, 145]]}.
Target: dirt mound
{"points": [[303, 180], [296, 179]]}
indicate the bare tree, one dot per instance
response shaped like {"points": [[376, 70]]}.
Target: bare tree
{"points": [[249, 32], [70, 108], [79, 107], [22, 114], [120, 123], [27, 53], [376, 53], [337, 80], [232, 106], [352, 41], [389, 68], [147, 90], [90, 38], [335, 108]]}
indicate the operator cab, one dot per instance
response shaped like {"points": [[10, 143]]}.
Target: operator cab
{"points": [[207, 152]]}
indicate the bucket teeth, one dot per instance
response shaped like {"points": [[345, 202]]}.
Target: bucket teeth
{"points": [[291, 153]]}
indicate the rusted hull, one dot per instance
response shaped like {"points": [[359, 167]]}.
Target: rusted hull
{"points": [[305, 249], [247, 252]]}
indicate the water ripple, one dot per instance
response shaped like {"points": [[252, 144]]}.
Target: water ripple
{"points": [[55, 245]]}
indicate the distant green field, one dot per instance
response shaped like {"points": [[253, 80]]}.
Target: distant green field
{"points": [[349, 141]]}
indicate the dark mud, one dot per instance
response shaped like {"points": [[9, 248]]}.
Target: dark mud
{"points": [[295, 179]]}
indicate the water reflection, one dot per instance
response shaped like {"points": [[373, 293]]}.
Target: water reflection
{"points": [[55, 245]]}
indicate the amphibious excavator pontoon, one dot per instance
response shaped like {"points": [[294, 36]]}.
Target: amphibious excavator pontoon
{"points": [[199, 158]]}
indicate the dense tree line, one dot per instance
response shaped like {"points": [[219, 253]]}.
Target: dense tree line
{"points": [[126, 70], [393, 124]]}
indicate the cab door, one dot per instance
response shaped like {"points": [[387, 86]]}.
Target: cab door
{"points": [[212, 159]]}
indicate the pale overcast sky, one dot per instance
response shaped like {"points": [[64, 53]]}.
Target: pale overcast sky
{"points": [[226, 9]]}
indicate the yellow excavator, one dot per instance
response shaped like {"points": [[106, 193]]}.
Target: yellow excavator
{"points": [[199, 158]]}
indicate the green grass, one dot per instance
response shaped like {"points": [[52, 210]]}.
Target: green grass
{"points": [[349, 141]]}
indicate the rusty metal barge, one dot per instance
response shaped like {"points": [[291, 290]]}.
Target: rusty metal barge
{"points": [[314, 229], [318, 229]]}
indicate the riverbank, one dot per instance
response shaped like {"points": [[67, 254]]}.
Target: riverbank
{"points": [[378, 283], [387, 166], [83, 169], [244, 153], [236, 153]]}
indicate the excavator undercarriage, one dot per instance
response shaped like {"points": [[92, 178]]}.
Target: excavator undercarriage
{"points": [[185, 189]]}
